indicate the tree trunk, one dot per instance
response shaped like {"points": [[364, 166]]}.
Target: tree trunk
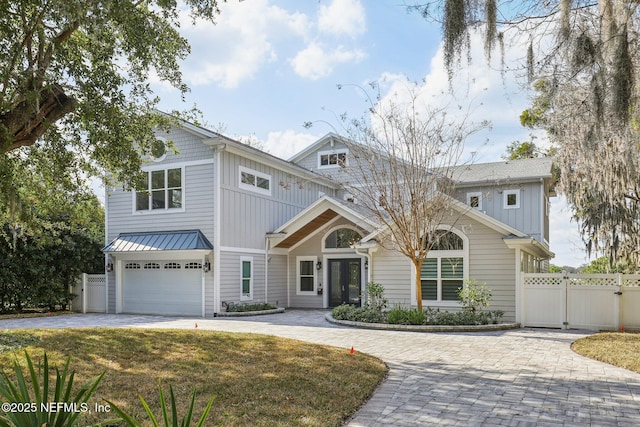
{"points": [[418, 265]]}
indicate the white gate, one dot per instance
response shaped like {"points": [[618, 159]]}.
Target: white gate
{"points": [[91, 294], [581, 301]]}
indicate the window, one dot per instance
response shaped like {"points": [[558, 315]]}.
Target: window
{"points": [[246, 278], [193, 266], [475, 200], [172, 266], [158, 150], [152, 266], [161, 190], [332, 159], [443, 271], [342, 238], [511, 199], [132, 266], [441, 278], [255, 181], [306, 275]]}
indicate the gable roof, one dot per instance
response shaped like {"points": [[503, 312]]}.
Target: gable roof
{"points": [[509, 170], [331, 136], [316, 215], [219, 141], [159, 241]]}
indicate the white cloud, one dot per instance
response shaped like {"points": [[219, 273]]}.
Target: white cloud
{"points": [[285, 144], [316, 61], [342, 17], [245, 38]]}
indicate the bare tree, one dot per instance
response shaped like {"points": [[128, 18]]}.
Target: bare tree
{"points": [[401, 159], [584, 61]]}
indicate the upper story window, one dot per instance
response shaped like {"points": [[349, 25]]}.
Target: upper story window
{"points": [[254, 181], [333, 158], [475, 200], [158, 150], [511, 199], [162, 190]]}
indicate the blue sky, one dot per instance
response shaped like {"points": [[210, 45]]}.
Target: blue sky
{"points": [[268, 66]]}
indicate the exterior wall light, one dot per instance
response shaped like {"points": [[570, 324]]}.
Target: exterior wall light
{"points": [[319, 265], [206, 266]]}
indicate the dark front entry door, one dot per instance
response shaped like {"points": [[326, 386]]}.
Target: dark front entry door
{"points": [[344, 281]]}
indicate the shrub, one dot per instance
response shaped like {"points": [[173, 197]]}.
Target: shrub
{"points": [[33, 392], [185, 421], [405, 316], [375, 296], [474, 297], [358, 314], [260, 306]]}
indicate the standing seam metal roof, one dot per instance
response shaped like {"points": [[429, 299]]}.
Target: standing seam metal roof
{"points": [[159, 241]]}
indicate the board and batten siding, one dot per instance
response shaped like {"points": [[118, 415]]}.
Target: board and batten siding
{"points": [[247, 216], [197, 214], [527, 218]]}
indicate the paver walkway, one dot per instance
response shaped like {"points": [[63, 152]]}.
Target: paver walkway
{"points": [[527, 377]]}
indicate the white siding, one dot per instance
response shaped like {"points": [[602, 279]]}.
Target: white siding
{"points": [[277, 280], [230, 281], [247, 216], [527, 218], [490, 262]]}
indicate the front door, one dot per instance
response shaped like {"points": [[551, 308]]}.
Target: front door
{"points": [[344, 281]]}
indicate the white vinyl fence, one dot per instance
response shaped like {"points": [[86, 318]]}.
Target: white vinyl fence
{"points": [[91, 292], [581, 301]]}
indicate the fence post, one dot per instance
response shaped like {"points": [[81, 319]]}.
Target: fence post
{"points": [[617, 304], [565, 301], [84, 293]]}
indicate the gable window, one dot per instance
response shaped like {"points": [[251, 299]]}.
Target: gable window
{"points": [[511, 199], [158, 150], [246, 278], [332, 159], [254, 181], [161, 190], [342, 238], [475, 200], [443, 271], [306, 275]]}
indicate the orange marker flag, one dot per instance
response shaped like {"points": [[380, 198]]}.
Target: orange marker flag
{"points": [[196, 325], [352, 351]]}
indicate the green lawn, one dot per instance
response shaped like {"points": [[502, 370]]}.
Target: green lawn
{"points": [[615, 348], [256, 379]]}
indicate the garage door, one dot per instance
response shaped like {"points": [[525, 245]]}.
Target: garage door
{"points": [[162, 287]]}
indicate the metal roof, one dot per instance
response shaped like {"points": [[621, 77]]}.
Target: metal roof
{"points": [[159, 241], [510, 170]]}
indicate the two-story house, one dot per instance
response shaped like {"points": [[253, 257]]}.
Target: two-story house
{"points": [[222, 222]]}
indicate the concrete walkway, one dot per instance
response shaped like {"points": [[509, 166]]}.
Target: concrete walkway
{"points": [[525, 377]]}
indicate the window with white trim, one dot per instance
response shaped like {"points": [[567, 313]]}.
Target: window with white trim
{"points": [[172, 266], [152, 266], [132, 266], [246, 278], [158, 149], [253, 180], [193, 266], [306, 275], [333, 158], [475, 200], [342, 238], [442, 272], [511, 199], [162, 189]]}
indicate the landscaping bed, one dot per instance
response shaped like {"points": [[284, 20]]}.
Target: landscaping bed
{"points": [[257, 309]]}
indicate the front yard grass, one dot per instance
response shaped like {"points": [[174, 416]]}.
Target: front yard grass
{"points": [[256, 379], [615, 348]]}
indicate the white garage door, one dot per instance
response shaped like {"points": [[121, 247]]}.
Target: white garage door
{"points": [[162, 287]]}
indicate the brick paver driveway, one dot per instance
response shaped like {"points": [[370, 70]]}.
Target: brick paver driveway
{"points": [[518, 377]]}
